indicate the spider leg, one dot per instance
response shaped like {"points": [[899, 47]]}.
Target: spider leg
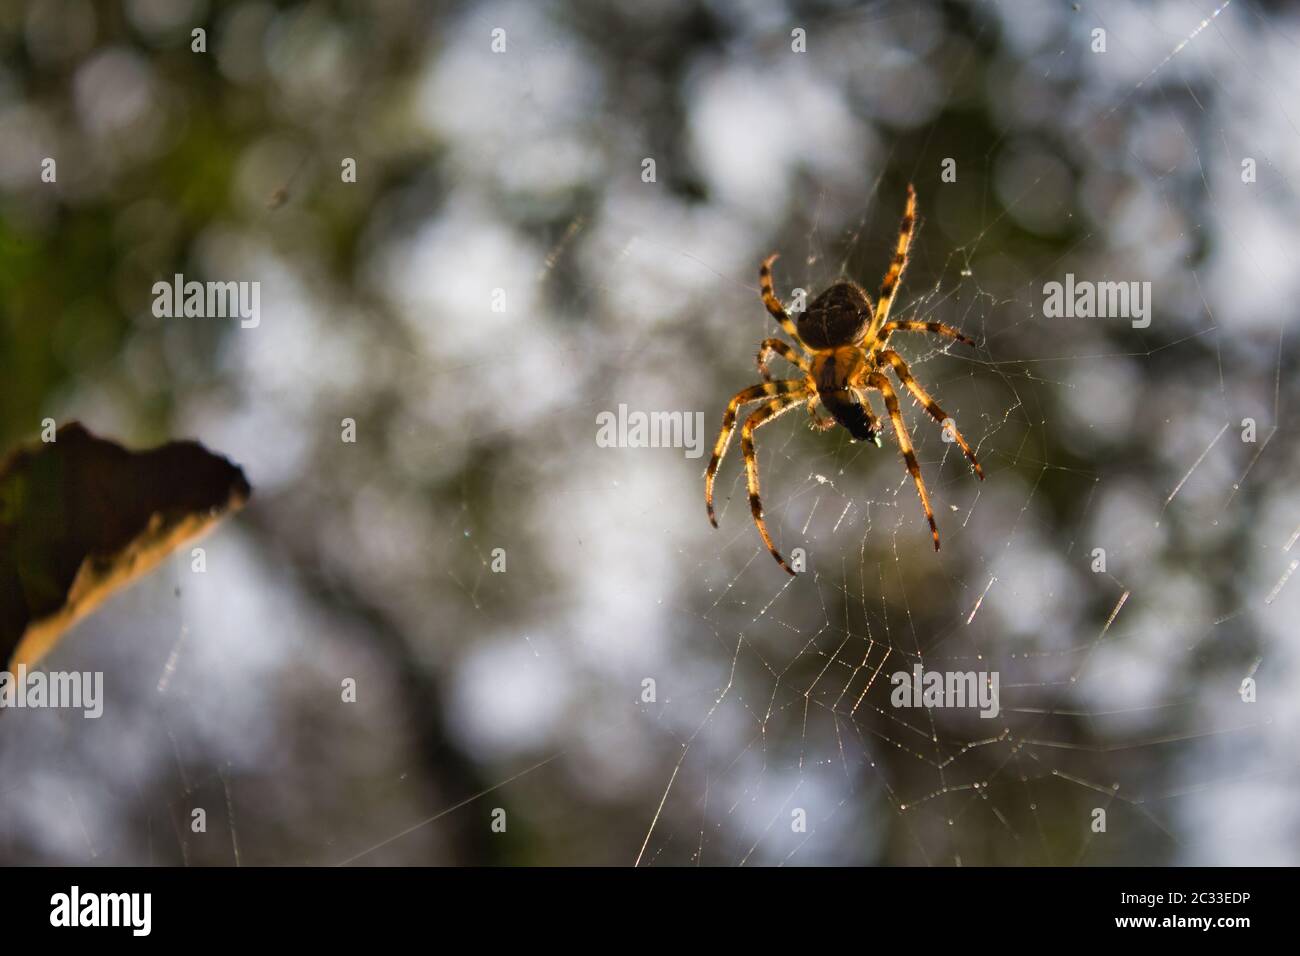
{"points": [[822, 425], [921, 395], [744, 396], [773, 304], [938, 328], [878, 381], [768, 346], [761, 416], [895, 274]]}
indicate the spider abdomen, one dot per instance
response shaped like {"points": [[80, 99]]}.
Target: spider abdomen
{"points": [[839, 316]]}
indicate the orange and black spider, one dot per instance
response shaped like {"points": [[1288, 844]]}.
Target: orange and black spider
{"points": [[845, 343]]}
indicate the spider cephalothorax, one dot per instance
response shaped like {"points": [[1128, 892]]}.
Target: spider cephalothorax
{"points": [[844, 341]]}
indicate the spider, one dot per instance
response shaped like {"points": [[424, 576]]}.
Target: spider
{"points": [[844, 341]]}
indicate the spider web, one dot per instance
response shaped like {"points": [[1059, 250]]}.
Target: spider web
{"points": [[804, 715], [1119, 689]]}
